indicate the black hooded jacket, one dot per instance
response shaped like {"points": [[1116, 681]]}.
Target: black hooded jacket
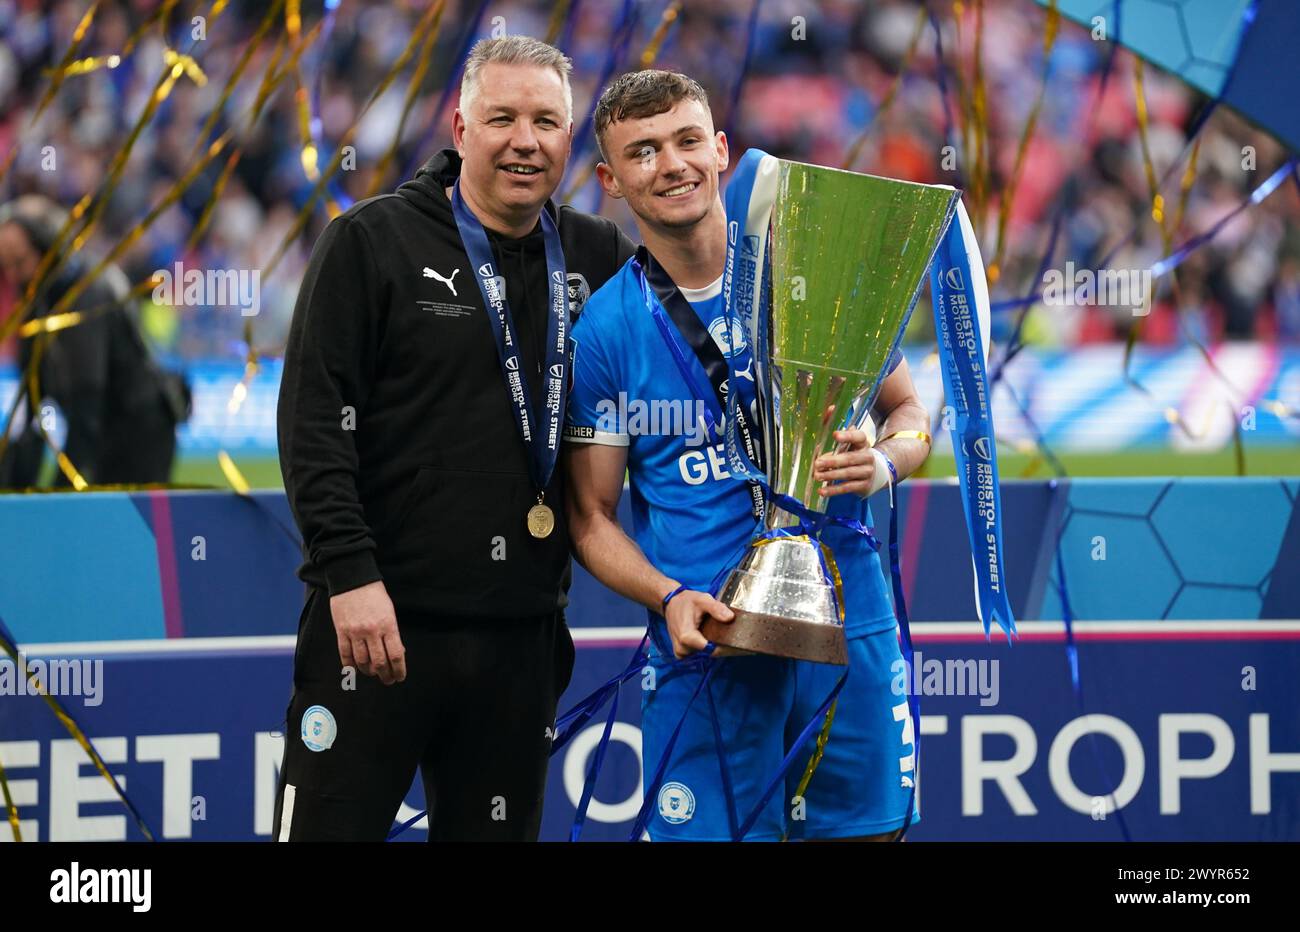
{"points": [[399, 446]]}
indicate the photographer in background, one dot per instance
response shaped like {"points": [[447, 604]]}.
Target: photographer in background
{"points": [[120, 408]]}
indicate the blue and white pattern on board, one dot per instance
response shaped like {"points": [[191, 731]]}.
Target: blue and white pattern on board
{"points": [[1077, 398]]}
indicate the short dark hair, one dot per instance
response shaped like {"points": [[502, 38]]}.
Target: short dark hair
{"points": [[642, 94], [514, 50]]}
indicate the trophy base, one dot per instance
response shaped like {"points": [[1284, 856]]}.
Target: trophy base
{"points": [[780, 637], [783, 603]]}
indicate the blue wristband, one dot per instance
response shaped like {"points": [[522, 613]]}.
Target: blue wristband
{"points": [[669, 597]]}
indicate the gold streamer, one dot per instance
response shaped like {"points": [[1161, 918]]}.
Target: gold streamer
{"points": [[819, 749], [184, 65], [972, 111], [79, 484], [1238, 445], [270, 80], [824, 735], [11, 808], [205, 217], [1167, 229], [56, 82], [1051, 27], [651, 50], [558, 15], [59, 320], [65, 465], [300, 222], [1185, 186], [70, 726], [412, 94], [833, 568], [1148, 166], [236, 401], [297, 48], [972, 108], [49, 324], [87, 65], [179, 65], [959, 86], [308, 156], [232, 473], [138, 230], [54, 258]]}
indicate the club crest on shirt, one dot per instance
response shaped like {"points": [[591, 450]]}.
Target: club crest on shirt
{"points": [[579, 292], [731, 340], [676, 803]]}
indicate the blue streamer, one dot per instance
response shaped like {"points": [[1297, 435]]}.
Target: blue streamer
{"points": [[706, 660], [909, 655], [733, 111], [1176, 258], [941, 70], [619, 41], [314, 123], [724, 770], [779, 776], [570, 23], [568, 724], [597, 761], [1059, 493], [453, 84]]}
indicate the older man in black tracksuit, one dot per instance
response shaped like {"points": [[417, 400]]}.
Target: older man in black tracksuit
{"points": [[428, 342]]}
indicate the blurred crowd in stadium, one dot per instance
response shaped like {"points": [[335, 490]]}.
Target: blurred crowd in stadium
{"points": [[808, 91]]}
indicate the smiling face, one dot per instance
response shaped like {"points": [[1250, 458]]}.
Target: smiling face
{"points": [[666, 165], [513, 136]]}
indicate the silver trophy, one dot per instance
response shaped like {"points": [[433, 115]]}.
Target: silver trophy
{"points": [[839, 258]]}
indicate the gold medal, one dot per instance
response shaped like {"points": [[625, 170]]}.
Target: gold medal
{"points": [[541, 521]]}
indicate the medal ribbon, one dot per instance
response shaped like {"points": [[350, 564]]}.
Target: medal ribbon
{"points": [[542, 446]]}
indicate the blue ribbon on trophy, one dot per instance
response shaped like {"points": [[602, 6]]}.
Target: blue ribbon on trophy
{"points": [[747, 223], [961, 319]]}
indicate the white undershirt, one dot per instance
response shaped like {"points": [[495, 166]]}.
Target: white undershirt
{"points": [[696, 295]]}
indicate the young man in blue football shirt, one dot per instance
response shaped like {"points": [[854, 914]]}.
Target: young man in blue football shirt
{"points": [[632, 409]]}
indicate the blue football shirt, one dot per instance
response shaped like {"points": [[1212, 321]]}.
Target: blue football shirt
{"points": [[691, 518]]}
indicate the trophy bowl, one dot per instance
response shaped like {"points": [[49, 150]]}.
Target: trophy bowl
{"points": [[837, 260]]}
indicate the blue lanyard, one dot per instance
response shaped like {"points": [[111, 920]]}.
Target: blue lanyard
{"points": [[542, 445], [712, 395]]}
